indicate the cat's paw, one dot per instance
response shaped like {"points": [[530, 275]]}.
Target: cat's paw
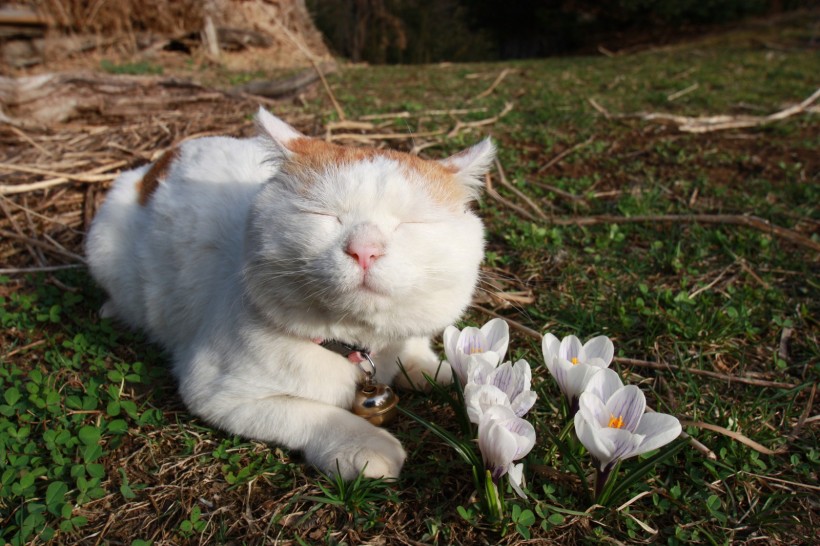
{"points": [[378, 455]]}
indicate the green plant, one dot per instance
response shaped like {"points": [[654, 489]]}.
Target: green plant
{"points": [[363, 499]]}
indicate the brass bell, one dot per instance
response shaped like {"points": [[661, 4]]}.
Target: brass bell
{"points": [[375, 402]]}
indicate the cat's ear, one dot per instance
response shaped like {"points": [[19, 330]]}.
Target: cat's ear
{"points": [[473, 163], [275, 128]]}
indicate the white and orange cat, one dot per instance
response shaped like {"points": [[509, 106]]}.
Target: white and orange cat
{"points": [[237, 255]]}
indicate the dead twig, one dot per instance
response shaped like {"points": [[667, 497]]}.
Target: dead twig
{"points": [[598, 108], [61, 177], [30, 140], [336, 106], [706, 124], [279, 88], [700, 446], [423, 113], [783, 346], [678, 94], [40, 244], [558, 191], [564, 154], [735, 436], [43, 269], [502, 177], [459, 126], [489, 190], [20, 232], [313, 61], [368, 138], [503, 74], [513, 324], [707, 373]]}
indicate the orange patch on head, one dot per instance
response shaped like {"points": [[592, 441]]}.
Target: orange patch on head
{"points": [[313, 156], [156, 174]]}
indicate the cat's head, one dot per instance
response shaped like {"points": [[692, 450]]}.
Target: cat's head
{"points": [[361, 244]]}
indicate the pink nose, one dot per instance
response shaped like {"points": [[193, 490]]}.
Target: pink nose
{"points": [[364, 252]]}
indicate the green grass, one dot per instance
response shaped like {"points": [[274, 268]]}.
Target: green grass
{"points": [[94, 441], [136, 68]]}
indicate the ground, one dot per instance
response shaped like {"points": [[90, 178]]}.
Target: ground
{"points": [[598, 221]]}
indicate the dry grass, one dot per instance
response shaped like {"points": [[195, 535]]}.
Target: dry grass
{"points": [[125, 16]]}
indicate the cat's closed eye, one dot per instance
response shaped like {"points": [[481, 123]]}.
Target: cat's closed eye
{"points": [[322, 213]]}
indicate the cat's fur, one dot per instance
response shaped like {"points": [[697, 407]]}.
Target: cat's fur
{"points": [[237, 255]]}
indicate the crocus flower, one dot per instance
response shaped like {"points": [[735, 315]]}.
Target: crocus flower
{"points": [[612, 425], [506, 385], [572, 364], [503, 438], [487, 344]]}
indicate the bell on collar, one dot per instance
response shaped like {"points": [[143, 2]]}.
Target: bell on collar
{"points": [[375, 402]]}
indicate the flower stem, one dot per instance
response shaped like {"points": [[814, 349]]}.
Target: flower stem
{"points": [[601, 477], [605, 482], [574, 407]]}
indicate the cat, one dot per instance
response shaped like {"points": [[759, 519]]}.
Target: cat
{"points": [[239, 255]]}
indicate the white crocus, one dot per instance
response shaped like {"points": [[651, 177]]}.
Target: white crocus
{"points": [[506, 385], [487, 344], [572, 364], [503, 438], [612, 425]]}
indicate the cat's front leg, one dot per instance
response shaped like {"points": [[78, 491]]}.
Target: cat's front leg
{"points": [[332, 438], [418, 360]]}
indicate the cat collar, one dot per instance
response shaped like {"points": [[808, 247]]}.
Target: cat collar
{"points": [[352, 352]]}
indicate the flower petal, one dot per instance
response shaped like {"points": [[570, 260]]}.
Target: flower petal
{"points": [[659, 429], [503, 378], [604, 384], [480, 366], [595, 361], [577, 377], [449, 339], [498, 447], [522, 403], [600, 347], [479, 398], [516, 475], [593, 410], [570, 348], [549, 347], [559, 372], [471, 341], [524, 433], [599, 447], [523, 378], [627, 403], [624, 442], [497, 334]]}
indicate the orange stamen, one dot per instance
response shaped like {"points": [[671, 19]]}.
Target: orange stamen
{"points": [[616, 423]]}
